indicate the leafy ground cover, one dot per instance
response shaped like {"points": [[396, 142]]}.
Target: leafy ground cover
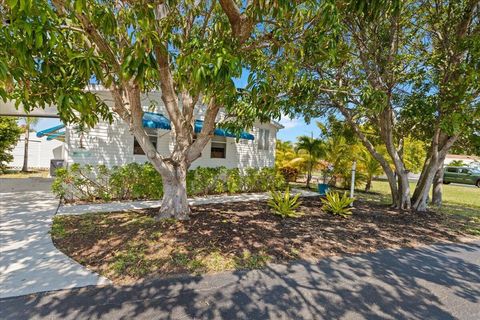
{"points": [[130, 246]]}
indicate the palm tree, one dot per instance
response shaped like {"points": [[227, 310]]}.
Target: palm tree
{"points": [[29, 122], [283, 153], [337, 154], [371, 167], [314, 149]]}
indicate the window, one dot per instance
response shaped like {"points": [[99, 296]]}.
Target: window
{"points": [[219, 148], [452, 170], [137, 148], [464, 171], [263, 139]]}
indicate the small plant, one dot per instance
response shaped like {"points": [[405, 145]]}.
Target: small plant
{"points": [[252, 261], [338, 205], [132, 262], [285, 204], [289, 173], [58, 230]]}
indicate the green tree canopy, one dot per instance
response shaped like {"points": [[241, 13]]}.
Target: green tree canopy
{"points": [[9, 135], [189, 50], [408, 70]]}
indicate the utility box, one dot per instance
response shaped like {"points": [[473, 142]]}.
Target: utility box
{"points": [[54, 165]]}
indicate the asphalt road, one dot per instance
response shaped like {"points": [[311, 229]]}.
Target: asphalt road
{"points": [[437, 282]]}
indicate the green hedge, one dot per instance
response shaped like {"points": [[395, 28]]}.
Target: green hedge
{"points": [[141, 181]]}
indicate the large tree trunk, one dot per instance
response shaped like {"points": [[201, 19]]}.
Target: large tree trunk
{"points": [[392, 181], [438, 182], [25, 151], [386, 132], [441, 143], [437, 187], [174, 201], [403, 192]]}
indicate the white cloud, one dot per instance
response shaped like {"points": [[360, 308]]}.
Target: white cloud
{"points": [[288, 122]]}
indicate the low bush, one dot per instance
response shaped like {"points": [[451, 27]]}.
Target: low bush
{"points": [[87, 183], [337, 205], [141, 181], [289, 173], [285, 204]]}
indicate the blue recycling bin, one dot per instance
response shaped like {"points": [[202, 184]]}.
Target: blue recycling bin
{"points": [[323, 188]]}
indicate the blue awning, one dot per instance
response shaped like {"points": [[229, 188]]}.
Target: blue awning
{"points": [[159, 121], [155, 121], [49, 130]]}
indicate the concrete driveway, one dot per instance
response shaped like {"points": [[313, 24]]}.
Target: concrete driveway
{"points": [[29, 262]]}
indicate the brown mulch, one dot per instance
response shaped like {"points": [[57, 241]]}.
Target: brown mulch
{"points": [[231, 229]]}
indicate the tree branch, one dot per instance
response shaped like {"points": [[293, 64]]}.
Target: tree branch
{"points": [[241, 25], [93, 33]]}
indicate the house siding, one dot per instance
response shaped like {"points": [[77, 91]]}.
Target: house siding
{"points": [[40, 152], [112, 145]]}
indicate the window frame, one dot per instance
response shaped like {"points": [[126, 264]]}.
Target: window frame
{"points": [[214, 143], [264, 139], [152, 135]]}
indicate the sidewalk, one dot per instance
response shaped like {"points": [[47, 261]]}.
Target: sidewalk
{"points": [[132, 205]]}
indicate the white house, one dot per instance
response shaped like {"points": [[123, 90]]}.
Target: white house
{"points": [[467, 160], [40, 152], [114, 145]]}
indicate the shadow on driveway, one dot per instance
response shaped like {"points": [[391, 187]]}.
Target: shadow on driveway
{"points": [[29, 262], [438, 282]]}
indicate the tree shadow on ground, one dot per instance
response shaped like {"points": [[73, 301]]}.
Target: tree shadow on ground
{"points": [[425, 283]]}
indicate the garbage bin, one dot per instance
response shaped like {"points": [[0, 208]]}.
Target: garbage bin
{"points": [[323, 188], [54, 165]]}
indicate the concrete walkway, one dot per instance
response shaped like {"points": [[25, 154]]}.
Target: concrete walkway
{"points": [[132, 205], [437, 282], [29, 262]]}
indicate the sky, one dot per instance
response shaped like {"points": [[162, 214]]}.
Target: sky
{"points": [[293, 127]]}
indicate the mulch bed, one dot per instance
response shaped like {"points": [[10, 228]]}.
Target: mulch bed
{"points": [[150, 248]]}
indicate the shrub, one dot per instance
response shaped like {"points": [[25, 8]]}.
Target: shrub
{"points": [[136, 181], [337, 205], [141, 181], [265, 179], [290, 174], [203, 181], [285, 204], [86, 183], [234, 181]]}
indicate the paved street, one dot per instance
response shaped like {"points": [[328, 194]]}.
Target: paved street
{"points": [[438, 282]]}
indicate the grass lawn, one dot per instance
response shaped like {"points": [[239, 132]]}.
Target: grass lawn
{"points": [[458, 200], [29, 174], [130, 246]]}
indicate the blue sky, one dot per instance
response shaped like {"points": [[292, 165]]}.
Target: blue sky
{"points": [[293, 127]]}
